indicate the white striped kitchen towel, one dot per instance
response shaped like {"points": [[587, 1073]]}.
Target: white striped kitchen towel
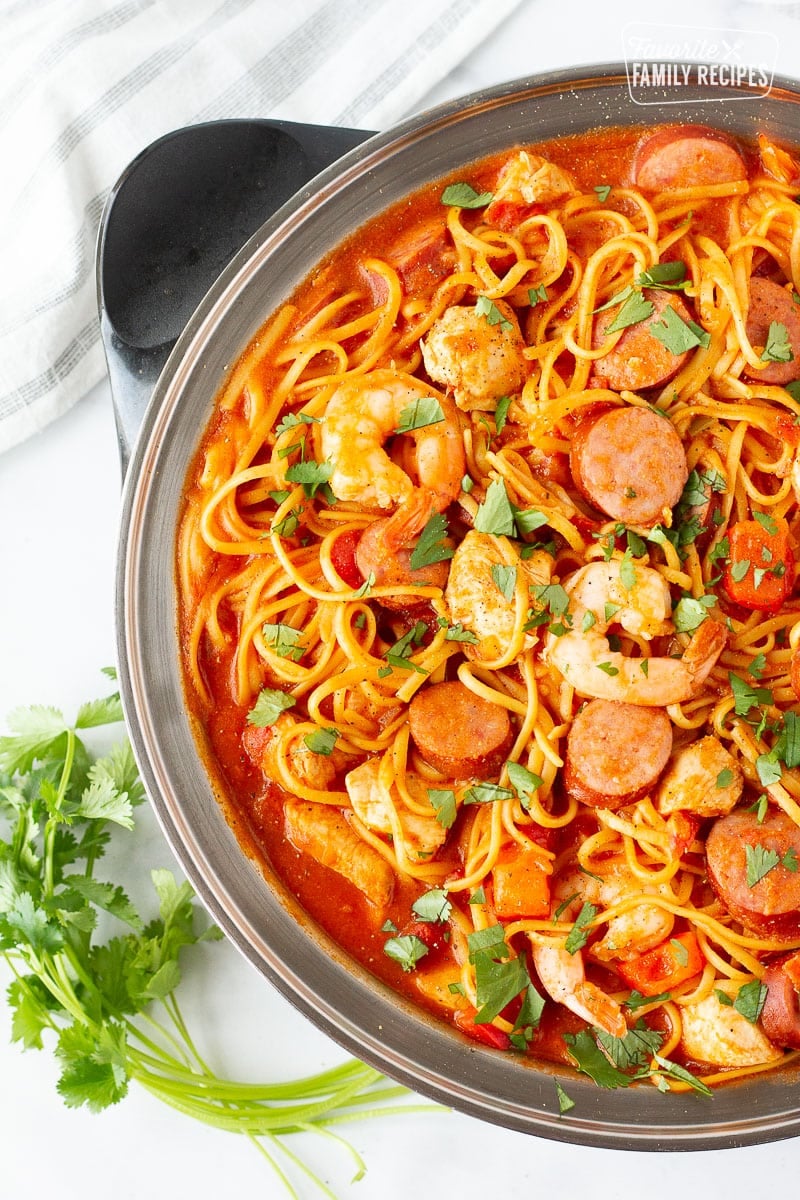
{"points": [[86, 84]]}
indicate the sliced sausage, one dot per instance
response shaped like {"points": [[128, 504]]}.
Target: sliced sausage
{"points": [[780, 1016], [638, 360], [686, 156], [629, 463], [460, 734], [769, 302], [323, 832], [615, 753], [769, 907]]}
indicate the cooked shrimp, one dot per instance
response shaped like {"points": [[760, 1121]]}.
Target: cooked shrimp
{"points": [[385, 547], [631, 932], [361, 416], [479, 361], [563, 977], [585, 659]]}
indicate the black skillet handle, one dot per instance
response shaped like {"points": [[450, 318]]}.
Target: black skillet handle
{"points": [[174, 220]]}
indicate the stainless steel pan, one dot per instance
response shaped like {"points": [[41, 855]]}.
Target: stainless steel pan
{"points": [[254, 909]]}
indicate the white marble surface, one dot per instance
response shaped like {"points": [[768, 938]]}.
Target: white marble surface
{"points": [[58, 517]]}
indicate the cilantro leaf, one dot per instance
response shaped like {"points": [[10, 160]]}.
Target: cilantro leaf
{"points": [[421, 412], [312, 475], [443, 803], [271, 702], [578, 937], [760, 860], [322, 741], [635, 308], [778, 347], [463, 195], [487, 308], [432, 906], [676, 334], [505, 579], [603, 191], [750, 999], [590, 1060], [495, 515], [431, 546]]}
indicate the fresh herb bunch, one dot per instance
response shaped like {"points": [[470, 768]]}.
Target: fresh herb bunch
{"points": [[58, 807]]}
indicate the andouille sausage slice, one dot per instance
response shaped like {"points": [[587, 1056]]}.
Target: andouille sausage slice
{"points": [[460, 734], [770, 905], [630, 463], [638, 360], [615, 753], [682, 156], [780, 1016], [772, 304]]}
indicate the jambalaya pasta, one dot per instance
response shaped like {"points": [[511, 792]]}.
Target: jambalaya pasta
{"points": [[486, 575]]}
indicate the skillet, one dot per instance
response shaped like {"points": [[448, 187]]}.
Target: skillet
{"points": [[251, 905]]}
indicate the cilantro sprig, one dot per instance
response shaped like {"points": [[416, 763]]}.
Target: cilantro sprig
{"points": [[110, 1008]]}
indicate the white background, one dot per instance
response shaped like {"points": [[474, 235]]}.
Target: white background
{"points": [[58, 527]]}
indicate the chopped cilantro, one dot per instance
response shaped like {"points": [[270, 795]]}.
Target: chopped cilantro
{"points": [[407, 950], [268, 707], [463, 195], [495, 515], [487, 308], [676, 334], [312, 475], [778, 348], [443, 803], [322, 741], [431, 546], [690, 612], [432, 906], [421, 412], [750, 1000], [603, 191], [501, 413], [283, 639], [578, 936], [523, 781], [635, 308], [505, 579], [535, 294]]}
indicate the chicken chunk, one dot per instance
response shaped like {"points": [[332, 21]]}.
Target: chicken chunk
{"points": [[702, 778], [527, 179], [375, 805], [323, 832], [475, 598], [479, 359], [717, 1033]]}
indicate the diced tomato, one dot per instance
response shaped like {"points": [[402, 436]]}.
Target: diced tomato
{"points": [[760, 571], [664, 967], [521, 883], [508, 214], [255, 739], [488, 1035], [788, 430], [343, 557]]}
